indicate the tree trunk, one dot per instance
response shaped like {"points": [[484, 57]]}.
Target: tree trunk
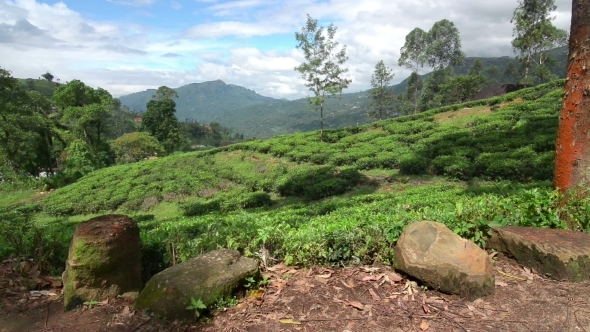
{"points": [[572, 160]]}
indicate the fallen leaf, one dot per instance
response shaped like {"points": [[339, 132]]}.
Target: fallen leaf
{"points": [[322, 280], [278, 267], [424, 325], [371, 269], [345, 284], [501, 283], [425, 308], [373, 278], [492, 255], [126, 312], [470, 307], [394, 277], [355, 304], [289, 321], [374, 295], [338, 289], [325, 276]]}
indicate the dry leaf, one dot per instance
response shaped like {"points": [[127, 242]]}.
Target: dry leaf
{"points": [[325, 276], [321, 279], [374, 295], [424, 325], [470, 307], [345, 284], [126, 312], [394, 277], [351, 282], [338, 289], [289, 321], [371, 269], [425, 308], [501, 283], [373, 278], [277, 267], [355, 304]]}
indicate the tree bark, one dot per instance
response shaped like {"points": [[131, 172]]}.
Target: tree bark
{"points": [[572, 160]]}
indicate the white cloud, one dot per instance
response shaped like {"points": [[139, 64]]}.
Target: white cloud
{"points": [[134, 3], [175, 5], [124, 57]]}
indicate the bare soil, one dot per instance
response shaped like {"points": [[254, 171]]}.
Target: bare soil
{"points": [[363, 298]]}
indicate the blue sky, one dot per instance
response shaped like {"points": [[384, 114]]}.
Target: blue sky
{"points": [[127, 46]]}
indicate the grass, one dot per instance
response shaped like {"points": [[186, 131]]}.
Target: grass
{"points": [[344, 200]]}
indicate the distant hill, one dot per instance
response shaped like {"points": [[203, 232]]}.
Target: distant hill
{"points": [[254, 115], [202, 101]]}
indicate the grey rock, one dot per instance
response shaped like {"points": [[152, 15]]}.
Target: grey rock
{"points": [[209, 277], [432, 253]]}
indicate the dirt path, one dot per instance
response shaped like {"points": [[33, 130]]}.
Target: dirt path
{"points": [[321, 299]]}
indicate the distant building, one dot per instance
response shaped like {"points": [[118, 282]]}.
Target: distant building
{"points": [[137, 119]]}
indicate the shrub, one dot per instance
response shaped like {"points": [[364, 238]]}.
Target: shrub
{"points": [[318, 182]]}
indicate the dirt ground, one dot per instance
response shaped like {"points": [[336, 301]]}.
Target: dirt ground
{"points": [[363, 298]]}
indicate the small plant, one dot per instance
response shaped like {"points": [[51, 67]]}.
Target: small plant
{"points": [[197, 306], [222, 304], [90, 304], [250, 282]]}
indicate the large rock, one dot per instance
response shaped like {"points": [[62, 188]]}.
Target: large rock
{"points": [[104, 260], [443, 260], [209, 277], [557, 253]]}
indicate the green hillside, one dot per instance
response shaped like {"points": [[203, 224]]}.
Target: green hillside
{"points": [[344, 200], [43, 86]]}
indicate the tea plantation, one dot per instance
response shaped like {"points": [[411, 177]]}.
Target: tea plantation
{"points": [[341, 201]]}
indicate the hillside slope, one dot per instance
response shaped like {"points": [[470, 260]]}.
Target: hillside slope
{"points": [[344, 200]]}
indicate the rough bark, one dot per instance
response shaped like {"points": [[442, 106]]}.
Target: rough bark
{"points": [[572, 161]]}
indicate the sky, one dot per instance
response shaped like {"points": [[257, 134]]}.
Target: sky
{"points": [[127, 46]]}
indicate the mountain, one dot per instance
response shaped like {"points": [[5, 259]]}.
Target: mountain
{"points": [[254, 115], [202, 101]]}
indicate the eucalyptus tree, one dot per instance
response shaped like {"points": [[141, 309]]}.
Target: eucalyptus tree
{"points": [[323, 69], [382, 96], [444, 46], [572, 160], [413, 56], [534, 34]]}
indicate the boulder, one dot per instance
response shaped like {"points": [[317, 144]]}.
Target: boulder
{"points": [[104, 260], [209, 277], [557, 253], [432, 253]]}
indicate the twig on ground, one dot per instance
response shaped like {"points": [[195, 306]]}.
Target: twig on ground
{"points": [[46, 314], [510, 276]]}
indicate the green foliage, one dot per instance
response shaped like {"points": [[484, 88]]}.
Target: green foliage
{"points": [[133, 147], [318, 182], [159, 120], [226, 202], [197, 305]]}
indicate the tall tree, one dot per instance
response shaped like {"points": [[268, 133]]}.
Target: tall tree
{"points": [[322, 71], [381, 94], [160, 121], [444, 46], [534, 33], [413, 56], [572, 160], [493, 74], [476, 68]]}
